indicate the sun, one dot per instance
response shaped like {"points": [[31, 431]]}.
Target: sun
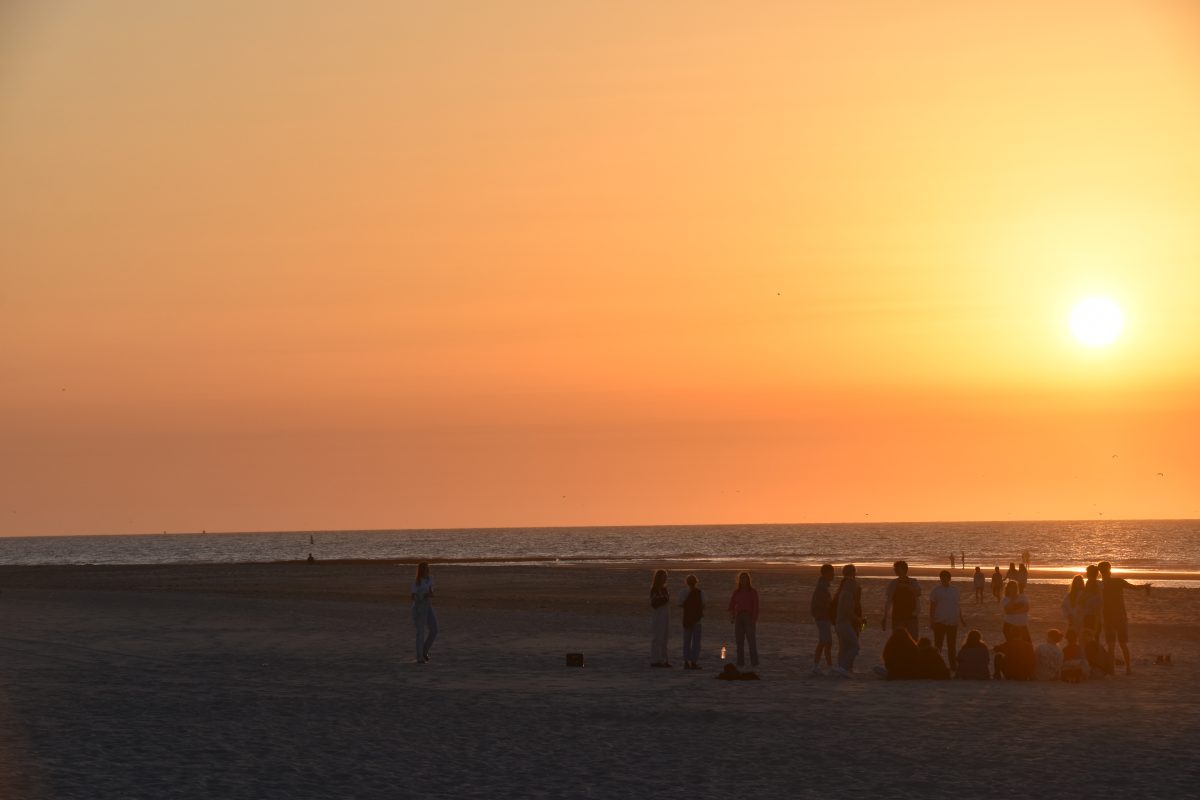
{"points": [[1097, 321]]}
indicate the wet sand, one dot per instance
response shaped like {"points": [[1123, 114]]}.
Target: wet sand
{"points": [[297, 681]]}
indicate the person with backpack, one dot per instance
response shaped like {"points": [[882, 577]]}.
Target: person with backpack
{"points": [[743, 613], [903, 601], [660, 604], [819, 607], [693, 613], [846, 612]]}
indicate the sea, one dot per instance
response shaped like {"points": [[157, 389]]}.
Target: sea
{"points": [[1146, 546]]}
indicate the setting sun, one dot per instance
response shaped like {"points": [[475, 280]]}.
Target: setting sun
{"points": [[1097, 321]]}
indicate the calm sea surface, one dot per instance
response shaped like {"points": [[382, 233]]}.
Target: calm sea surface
{"points": [[1156, 545]]}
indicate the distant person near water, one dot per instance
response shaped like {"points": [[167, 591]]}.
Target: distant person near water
{"points": [[952, 561], [1016, 613], [693, 613], [903, 600], [424, 620], [743, 613], [848, 620], [980, 582], [1022, 578], [1116, 621], [997, 584], [660, 619], [1011, 575], [1025, 559], [819, 608], [945, 615]]}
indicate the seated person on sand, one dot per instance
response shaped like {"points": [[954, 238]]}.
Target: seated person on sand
{"points": [[930, 665], [1072, 654], [1015, 659], [1049, 657], [901, 658], [974, 660]]}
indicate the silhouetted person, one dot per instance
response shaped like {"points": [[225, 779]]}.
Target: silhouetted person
{"points": [[311, 560], [1016, 612], [1073, 659], [979, 582], [1072, 605], [930, 665], [1093, 610], [424, 619], [945, 615], [974, 659], [1015, 659], [693, 614], [743, 613], [997, 585], [660, 605], [1050, 657], [848, 620], [901, 661], [1022, 577], [903, 600], [819, 607], [1116, 622]]}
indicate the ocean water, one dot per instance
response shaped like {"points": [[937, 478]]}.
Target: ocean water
{"points": [[1152, 545]]}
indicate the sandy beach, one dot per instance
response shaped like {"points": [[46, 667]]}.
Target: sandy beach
{"points": [[297, 681]]}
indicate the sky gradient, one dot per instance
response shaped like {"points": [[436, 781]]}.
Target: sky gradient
{"points": [[270, 265]]}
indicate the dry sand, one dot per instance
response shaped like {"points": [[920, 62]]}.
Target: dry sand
{"points": [[296, 681]]}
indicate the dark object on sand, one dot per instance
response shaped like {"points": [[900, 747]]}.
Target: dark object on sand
{"points": [[731, 673], [311, 560], [1163, 659], [574, 659]]}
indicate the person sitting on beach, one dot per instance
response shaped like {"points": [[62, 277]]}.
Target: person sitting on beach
{"points": [[1116, 621], [848, 620], [974, 660], [819, 607], [1016, 613], [743, 613], [1072, 605], [693, 613], [903, 600], [1022, 578], [660, 620], [1049, 657], [901, 659], [423, 617], [997, 584], [945, 615], [1072, 668], [930, 665], [980, 582], [1015, 659]]}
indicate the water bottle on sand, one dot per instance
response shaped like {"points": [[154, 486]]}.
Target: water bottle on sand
{"points": [[722, 652]]}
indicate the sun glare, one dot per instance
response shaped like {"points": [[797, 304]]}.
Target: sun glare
{"points": [[1097, 321]]}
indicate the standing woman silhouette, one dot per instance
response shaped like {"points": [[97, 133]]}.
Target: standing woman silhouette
{"points": [[660, 604], [424, 619]]}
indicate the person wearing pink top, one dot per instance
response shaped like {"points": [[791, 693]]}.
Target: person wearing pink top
{"points": [[743, 613]]}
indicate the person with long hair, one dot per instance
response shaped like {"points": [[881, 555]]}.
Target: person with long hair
{"points": [[848, 620], [1093, 608], [1072, 605], [660, 621], [1016, 613], [424, 620], [743, 613]]}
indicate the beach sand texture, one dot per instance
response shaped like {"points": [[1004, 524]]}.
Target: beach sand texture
{"points": [[297, 681]]}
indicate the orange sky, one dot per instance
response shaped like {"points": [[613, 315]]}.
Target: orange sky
{"points": [[269, 265]]}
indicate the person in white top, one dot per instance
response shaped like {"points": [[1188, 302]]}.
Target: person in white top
{"points": [[424, 619], [945, 614]]}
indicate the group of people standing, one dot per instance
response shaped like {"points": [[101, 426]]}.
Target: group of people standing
{"points": [[1090, 607]]}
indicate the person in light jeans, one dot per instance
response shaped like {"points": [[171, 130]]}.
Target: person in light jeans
{"points": [[945, 615], [424, 620], [848, 620]]}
